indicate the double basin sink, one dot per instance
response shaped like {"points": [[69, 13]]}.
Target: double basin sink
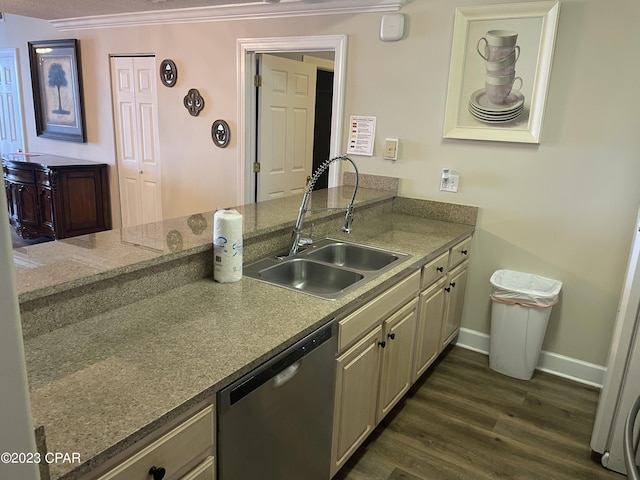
{"points": [[329, 269]]}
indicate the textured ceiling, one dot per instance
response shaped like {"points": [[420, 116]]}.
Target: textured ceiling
{"points": [[58, 9]]}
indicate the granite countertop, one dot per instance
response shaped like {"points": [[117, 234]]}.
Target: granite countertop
{"points": [[101, 384]]}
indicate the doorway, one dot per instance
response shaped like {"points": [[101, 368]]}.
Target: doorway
{"points": [[248, 49]]}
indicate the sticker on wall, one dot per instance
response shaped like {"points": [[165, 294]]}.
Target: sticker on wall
{"points": [[168, 73], [194, 102], [220, 133]]}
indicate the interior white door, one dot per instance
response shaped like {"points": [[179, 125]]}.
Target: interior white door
{"points": [[11, 136], [286, 110], [135, 110]]}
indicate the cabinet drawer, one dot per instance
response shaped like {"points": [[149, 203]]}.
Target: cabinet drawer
{"points": [[173, 452], [434, 270], [42, 177], [362, 320], [205, 471], [460, 252], [18, 175]]}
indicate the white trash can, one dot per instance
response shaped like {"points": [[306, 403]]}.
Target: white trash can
{"points": [[520, 309]]}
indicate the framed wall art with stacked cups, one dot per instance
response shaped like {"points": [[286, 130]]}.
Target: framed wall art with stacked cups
{"points": [[499, 74]]}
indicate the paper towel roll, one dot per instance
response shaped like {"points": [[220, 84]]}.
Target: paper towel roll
{"points": [[227, 246]]}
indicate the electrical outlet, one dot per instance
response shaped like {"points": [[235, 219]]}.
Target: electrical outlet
{"points": [[449, 183], [391, 149]]}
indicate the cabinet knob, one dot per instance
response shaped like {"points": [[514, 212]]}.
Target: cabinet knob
{"points": [[464, 252], [453, 284], [440, 269], [140, 172], [447, 289], [392, 336], [157, 473], [382, 344]]}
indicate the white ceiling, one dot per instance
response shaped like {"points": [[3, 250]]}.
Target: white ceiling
{"points": [[58, 9]]}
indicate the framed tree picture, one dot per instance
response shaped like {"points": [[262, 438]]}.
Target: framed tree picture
{"points": [[57, 89], [500, 69]]}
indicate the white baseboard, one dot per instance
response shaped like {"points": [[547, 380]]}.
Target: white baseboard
{"points": [[553, 363]]}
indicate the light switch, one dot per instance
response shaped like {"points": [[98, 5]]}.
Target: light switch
{"points": [[391, 149]]}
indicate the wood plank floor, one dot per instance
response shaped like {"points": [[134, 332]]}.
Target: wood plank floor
{"points": [[464, 421]]}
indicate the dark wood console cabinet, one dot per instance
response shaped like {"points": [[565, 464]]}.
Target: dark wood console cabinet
{"points": [[56, 197]]}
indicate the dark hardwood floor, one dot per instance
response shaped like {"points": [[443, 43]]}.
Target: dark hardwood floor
{"points": [[464, 421]]}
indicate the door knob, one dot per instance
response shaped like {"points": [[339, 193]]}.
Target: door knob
{"points": [[157, 473]]}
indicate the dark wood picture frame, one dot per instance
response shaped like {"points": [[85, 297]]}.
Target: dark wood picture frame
{"points": [[56, 78]]}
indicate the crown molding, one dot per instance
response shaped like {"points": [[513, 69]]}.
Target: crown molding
{"points": [[250, 11]]}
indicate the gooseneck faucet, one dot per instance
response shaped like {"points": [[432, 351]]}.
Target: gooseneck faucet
{"points": [[296, 237]]}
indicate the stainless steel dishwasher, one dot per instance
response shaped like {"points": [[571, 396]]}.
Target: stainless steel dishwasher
{"points": [[276, 422]]}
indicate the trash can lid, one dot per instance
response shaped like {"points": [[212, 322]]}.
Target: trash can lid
{"points": [[528, 285]]}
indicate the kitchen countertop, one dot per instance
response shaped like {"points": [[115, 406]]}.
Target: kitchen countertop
{"points": [[101, 384]]}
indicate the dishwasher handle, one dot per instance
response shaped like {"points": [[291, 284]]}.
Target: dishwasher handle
{"points": [[287, 374], [273, 367]]}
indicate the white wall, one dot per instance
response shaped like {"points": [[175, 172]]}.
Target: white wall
{"points": [[564, 208]]}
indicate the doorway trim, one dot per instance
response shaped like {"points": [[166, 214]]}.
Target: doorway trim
{"points": [[247, 49]]}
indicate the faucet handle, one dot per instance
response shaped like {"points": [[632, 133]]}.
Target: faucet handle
{"points": [[307, 241]]}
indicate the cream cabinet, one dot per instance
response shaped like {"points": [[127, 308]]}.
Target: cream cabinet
{"points": [[442, 286], [397, 357], [375, 355], [454, 297], [184, 453], [357, 379], [385, 345], [429, 327]]}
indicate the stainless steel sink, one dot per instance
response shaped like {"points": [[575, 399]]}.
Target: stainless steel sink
{"points": [[309, 276], [354, 256], [329, 269]]}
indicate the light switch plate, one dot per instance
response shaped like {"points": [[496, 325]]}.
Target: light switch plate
{"points": [[391, 149]]}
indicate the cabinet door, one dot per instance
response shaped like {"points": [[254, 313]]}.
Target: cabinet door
{"points": [[11, 203], [454, 298], [27, 205], [397, 357], [46, 209], [430, 315], [205, 471], [356, 393]]}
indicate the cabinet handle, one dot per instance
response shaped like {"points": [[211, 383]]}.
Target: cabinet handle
{"points": [[464, 252], [392, 336], [157, 473], [440, 269], [382, 344], [453, 284]]}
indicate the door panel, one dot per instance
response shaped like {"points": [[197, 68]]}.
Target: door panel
{"points": [[11, 137], [286, 113], [139, 172]]}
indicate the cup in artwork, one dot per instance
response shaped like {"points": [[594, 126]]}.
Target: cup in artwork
{"points": [[498, 89]]}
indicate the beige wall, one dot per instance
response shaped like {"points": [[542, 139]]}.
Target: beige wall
{"points": [[564, 208]]}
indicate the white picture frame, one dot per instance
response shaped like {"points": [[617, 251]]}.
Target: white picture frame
{"points": [[468, 114]]}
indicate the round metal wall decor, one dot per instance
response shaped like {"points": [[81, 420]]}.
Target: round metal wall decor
{"points": [[194, 102], [168, 73], [220, 133]]}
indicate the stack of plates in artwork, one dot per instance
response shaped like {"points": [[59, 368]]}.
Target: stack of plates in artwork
{"points": [[485, 111]]}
